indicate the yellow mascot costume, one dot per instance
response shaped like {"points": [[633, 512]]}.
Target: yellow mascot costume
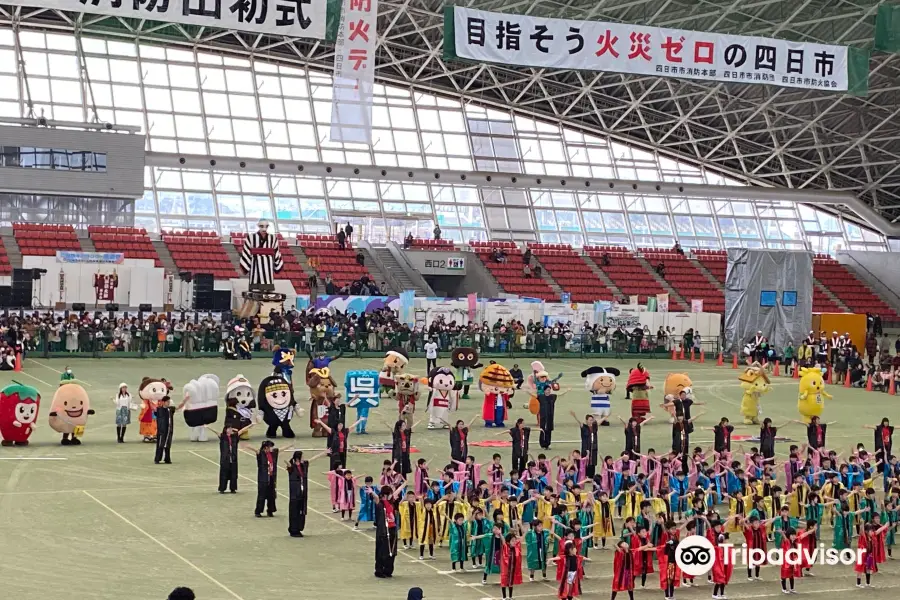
{"points": [[755, 382], [812, 390]]}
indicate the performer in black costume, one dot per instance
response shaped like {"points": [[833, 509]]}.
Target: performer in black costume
{"points": [[387, 519], [165, 429]]}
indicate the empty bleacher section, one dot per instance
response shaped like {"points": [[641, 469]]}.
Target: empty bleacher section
{"points": [[327, 258], [420, 244], [628, 274], [714, 261], [570, 272], [5, 266], [509, 274], [37, 239], [686, 279], [199, 252], [130, 241], [292, 270], [847, 288]]}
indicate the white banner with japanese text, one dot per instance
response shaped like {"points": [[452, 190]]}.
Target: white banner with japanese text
{"points": [[623, 48], [292, 18], [354, 73]]}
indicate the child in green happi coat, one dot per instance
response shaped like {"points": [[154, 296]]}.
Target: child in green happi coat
{"points": [[844, 519], [479, 527], [890, 515], [494, 546], [783, 523], [586, 519], [459, 542], [537, 541], [867, 501]]}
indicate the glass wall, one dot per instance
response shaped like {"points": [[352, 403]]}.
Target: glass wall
{"points": [[203, 103]]}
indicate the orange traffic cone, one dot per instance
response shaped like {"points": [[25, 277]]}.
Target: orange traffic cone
{"points": [[847, 380], [702, 356], [776, 372], [892, 388], [692, 355], [830, 378], [674, 354], [797, 371], [18, 366], [681, 356], [721, 360], [869, 383], [734, 361]]}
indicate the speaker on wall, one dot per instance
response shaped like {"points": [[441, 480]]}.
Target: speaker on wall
{"points": [[78, 307], [145, 308]]}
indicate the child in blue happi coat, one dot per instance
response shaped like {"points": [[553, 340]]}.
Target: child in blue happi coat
{"points": [[368, 493]]}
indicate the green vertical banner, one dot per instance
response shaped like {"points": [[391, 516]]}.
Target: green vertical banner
{"points": [[887, 28], [332, 19], [857, 71], [449, 34]]}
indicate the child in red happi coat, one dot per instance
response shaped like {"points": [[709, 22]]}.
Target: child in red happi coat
{"points": [[510, 564]]}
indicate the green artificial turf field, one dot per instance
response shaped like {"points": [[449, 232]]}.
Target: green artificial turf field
{"points": [[101, 521]]}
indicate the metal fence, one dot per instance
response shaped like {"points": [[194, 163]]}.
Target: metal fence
{"points": [[193, 344]]}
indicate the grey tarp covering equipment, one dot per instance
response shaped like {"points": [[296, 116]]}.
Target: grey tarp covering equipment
{"points": [[750, 272]]}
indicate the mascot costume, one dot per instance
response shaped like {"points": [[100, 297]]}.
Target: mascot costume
{"points": [[363, 392], [322, 395], [283, 363], [674, 384], [444, 394], [201, 405], [600, 382], [537, 382], [19, 406], [395, 360], [275, 399], [406, 392], [150, 391], [498, 386], [465, 360], [812, 391], [240, 405], [755, 382], [69, 411], [260, 260], [638, 387]]}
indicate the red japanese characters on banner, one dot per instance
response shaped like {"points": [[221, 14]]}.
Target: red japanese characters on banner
{"points": [[622, 48], [354, 73]]}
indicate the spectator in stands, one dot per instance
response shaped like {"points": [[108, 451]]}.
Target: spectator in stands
{"points": [[330, 288], [341, 239], [605, 259], [383, 288], [498, 255], [348, 231], [537, 271], [360, 259], [661, 269], [437, 231], [526, 271], [677, 248], [526, 257], [408, 241], [313, 282]]}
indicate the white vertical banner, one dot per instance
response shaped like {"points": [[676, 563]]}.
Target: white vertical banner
{"points": [[354, 73], [662, 302]]}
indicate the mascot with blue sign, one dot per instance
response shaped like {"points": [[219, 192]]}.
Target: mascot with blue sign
{"points": [[363, 391]]}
